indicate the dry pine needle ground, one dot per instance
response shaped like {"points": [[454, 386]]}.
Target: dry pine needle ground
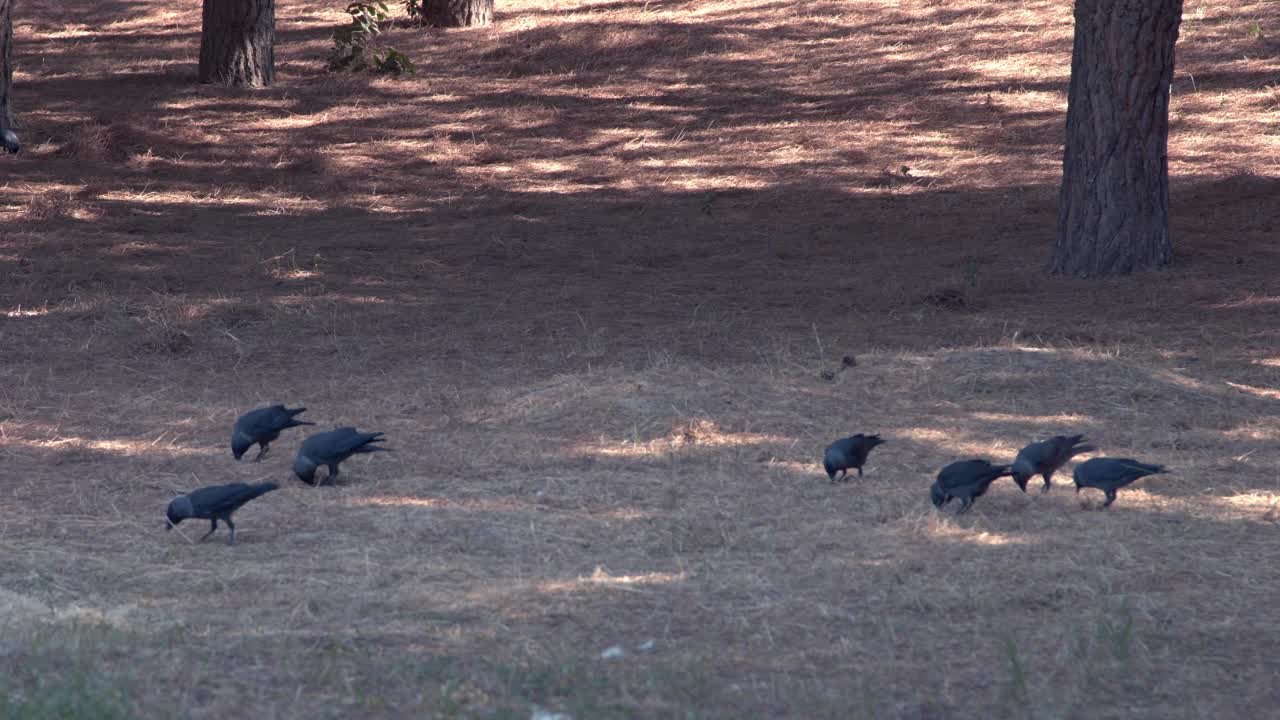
{"points": [[593, 271]]}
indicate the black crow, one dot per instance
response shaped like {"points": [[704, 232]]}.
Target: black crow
{"points": [[214, 504], [965, 480], [1045, 457], [1111, 474], [261, 426], [9, 141], [851, 452], [331, 448]]}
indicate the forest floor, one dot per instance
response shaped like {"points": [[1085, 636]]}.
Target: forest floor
{"points": [[594, 270]]}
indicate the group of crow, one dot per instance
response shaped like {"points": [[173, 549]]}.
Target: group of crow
{"points": [[964, 480], [968, 480], [260, 427]]}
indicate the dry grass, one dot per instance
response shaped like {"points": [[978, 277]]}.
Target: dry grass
{"points": [[593, 270]]}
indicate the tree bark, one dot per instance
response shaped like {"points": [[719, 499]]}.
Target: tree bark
{"points": [[1113, 214], [237, 42], [459, 13], [6, 63]]}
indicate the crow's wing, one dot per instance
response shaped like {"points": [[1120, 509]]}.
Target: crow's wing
{"points": [[1030, 456], [1132, 469], [1114, 471], [963, 473], [225, 499], [834, 456], [844, 445], [321, 447], [263, 421], [336, 444]]}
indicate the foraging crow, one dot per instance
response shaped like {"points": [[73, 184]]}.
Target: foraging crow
{"points": [[262, 426], [1111, 474], [1045, 457], [214, 504], [9, 141], [851, 452], [331, 448], [965, 480]]}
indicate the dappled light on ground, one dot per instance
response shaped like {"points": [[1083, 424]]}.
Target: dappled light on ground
{"points": [[953, 532], [20, 312], [1058, 420], [597, 97], [140, 447], [20, 610], [1249, 301], [1260, 392], [1255, 505], [699, 433], [437, 502], [950, 440], [1250, 506], [602, 579]]}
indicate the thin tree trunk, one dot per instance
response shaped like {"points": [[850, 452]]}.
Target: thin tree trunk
{"points": [[6, 63], [1113, 216], [237, 42], [459, 13]]}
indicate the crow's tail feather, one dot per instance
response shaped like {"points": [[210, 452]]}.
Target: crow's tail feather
{"points": [[259, 489], [1082, 449]]}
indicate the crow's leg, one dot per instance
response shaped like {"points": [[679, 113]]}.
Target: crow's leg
{"points": [[965, 504], [232, 539], [1047, 478], [263, 447], [859, 471], [1111, 497], [214, 524]]}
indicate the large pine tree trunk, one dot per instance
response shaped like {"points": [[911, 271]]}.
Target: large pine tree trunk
{"points": [[237, 42], [1113, 216], [6, 62], [459, 13]]}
